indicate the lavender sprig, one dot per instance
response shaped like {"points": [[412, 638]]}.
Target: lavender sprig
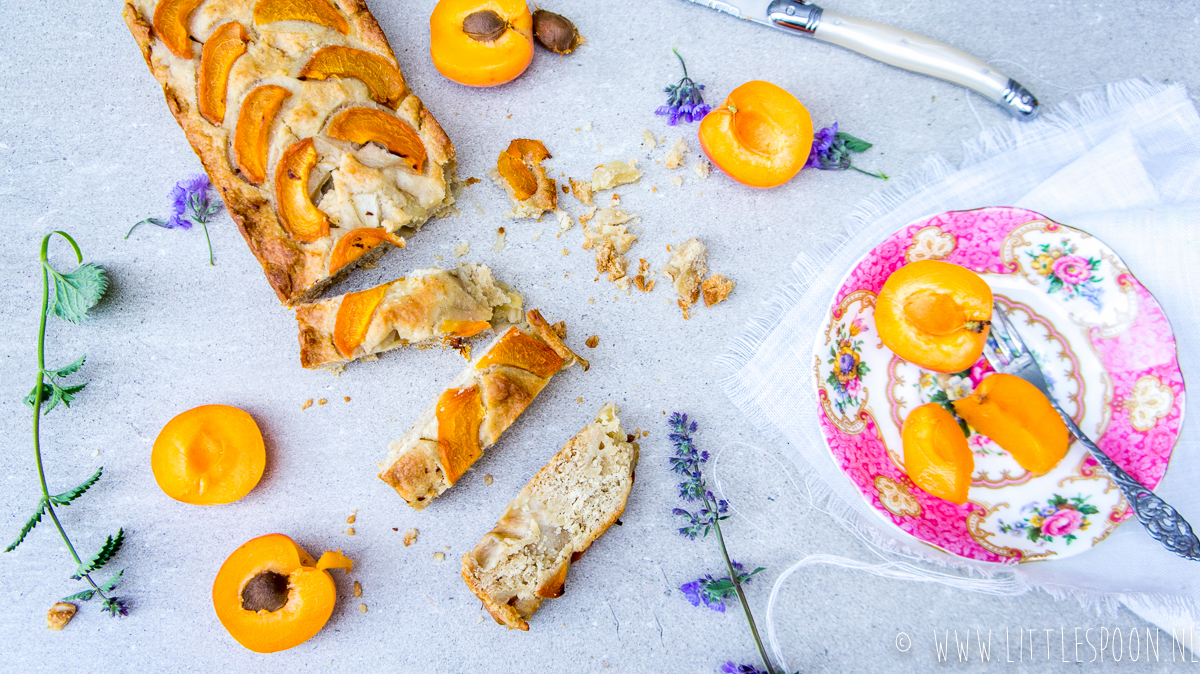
{"points": [[831, 150], [731, 668], [684, 100], [192, 201], [688, 462]]}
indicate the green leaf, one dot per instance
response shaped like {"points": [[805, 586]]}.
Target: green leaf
{"points": [[66, 497], [29, 525], [112, 582], [30, 399], [68, 369], [76, 292], [853, 144], [80, 596], [107, 551]]}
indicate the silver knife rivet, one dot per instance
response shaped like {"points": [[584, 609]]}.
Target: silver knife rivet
{"points": [[791, 10]]}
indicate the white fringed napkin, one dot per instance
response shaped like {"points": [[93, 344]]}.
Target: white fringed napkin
{"points": [[1123, 166]]}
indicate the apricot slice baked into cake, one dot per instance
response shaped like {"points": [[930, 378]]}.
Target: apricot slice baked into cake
{"points": [[303, 121], [480, 404], [424, 308], [571, 501]]}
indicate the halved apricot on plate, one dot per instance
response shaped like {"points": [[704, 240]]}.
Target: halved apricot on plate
{"points": [[171, 23], [271, 595], [224, 46], [936, 455], [1019, 418], [481, 43], [368, 125], [380, 75], [357, 243], [760, 136], [314, 11], [304, 221], [209, 455], [252, 135], [459, 414], [935, 315], [354, 318], [518, 349]]}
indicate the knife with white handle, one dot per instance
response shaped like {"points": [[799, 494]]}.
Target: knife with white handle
{"points": [[890, 45]]}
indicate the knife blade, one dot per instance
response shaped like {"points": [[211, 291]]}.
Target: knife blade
{"points": [[888, 44]]}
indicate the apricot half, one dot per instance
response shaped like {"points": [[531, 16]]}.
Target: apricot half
{"points": [[481, 43], [171, 23], [304, 221], [936, 455], [226, 45], [314, 11], [358, 242], [518, 349], [935, 315], [1019, 418], [459, 415], [354, 318], [380, 75], [253, 132], [209, 455], [368, 125], [760, 136], [271, 595]]}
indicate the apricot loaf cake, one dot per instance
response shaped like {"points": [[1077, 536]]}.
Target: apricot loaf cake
{"points": [[426, 307], [480, 404], [300, 115], [571, 501]]}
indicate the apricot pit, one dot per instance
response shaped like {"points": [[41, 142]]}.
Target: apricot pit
{"points": [[935, 315]]}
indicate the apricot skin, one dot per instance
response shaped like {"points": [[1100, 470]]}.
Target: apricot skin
{"points": [[311, 595], [760, 136], [461, 58], [209, 455], [928, 311], [1019, 418], [936, 455]]}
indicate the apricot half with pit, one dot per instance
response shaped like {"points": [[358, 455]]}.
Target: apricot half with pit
{"points": [[380, 75], [935, 315], [760, 136], [304, 221], [936, 455], [209, 455], [481, 43], [1018, 417], [271, 595]]}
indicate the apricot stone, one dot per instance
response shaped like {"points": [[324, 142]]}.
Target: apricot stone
{"points": [[936, 455], [1019, 418], [935, 315]]}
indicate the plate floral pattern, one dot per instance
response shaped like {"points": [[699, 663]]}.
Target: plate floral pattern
{"points": [[1103, 341]]}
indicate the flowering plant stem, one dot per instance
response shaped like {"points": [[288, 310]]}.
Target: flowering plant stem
{"points": [[737, 585]]}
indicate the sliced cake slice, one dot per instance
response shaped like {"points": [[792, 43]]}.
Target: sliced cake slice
{"points": [[571, 501]]}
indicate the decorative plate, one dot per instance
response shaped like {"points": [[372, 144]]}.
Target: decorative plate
{"points": [[1102, 340]]}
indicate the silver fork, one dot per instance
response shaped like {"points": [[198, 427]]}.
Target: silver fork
{"points": [[1007, 353]]}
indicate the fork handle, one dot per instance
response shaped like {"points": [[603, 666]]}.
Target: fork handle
{"points": [[1163, 522]]}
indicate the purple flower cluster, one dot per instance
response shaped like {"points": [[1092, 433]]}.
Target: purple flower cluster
{"points": [[192, 201], [684, 100], [831, 151], [713, 592], [687, 462], [731, 668]]}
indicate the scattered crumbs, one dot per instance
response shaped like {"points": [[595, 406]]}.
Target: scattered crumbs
{"points": [[95, 452], [663, 140], [588, 215], [462, 249], [564, 221], [438, 257], [307, 404], [645, 434], [599, 147], [353, 516], [323, 401], [439, 556], [481, 620], [509, 116], [648, 139], [499, 245], [472, 180], [592, 300], [613, 173], [582, 190], [395, 528], [675, 156], [566, 188], [410, 537], [488, 479], [702, 169], [566, 252], [676, 180], [538, 234], [447, 547], [579, 400], [362, 608], [715, 289], [59, 615], [577, 128], [592, 342], [347, 398], [654, 189], [357, 589], [668, 247], [587, 127], [350, 531], [616, 200]]}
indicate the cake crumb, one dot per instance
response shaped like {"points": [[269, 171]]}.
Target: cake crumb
{"points": [[323, 401], [438, 257], [353, 516], [350, 531], [564, 222], [582, 191], [645, 434], [499, 245], [588, 215], [609, 238], [488, 479], [479, 620], [566, 252], [410, 537], [587, 127], [676, 180], [362, 608], [59, 615], [439, 556], [560, 329], [538, 234], [715, 289], [648, 139], [702, 169], [307, 404], [593, 341], [472, 181], [347, 398], [608, 175], [686, 269], [357, 589], [675, 156], [579, 400], [462, 249]]}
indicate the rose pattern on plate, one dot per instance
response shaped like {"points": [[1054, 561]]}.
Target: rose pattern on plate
{"points": [[1059, 517], [1072, 275], [847, 368]]}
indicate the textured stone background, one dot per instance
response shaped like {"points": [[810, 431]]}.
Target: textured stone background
{"points": [[88, 146]]}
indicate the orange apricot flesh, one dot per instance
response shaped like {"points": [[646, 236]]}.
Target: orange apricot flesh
{"points": [[936, 455], [209, 455], [366, 125], [253, 131], [459, 415], [314, 11], [935, 315], [481, 43], [760, 136], [358, 242], [270, 595], [463, 328], [518, 349], [304, 221], [514, 165], [1019, 418], [226, 45], [171, 23], [354, 318], [380, 75]]}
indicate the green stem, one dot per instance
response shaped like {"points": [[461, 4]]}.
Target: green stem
{"points": [[206, 238], [737, 586], [676, 53], [873, 175]]}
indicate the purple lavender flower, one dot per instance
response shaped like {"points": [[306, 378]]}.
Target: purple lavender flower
{"points": [[684, 100], [831, 150], [731, 668], [192, 201], [713, 592]]}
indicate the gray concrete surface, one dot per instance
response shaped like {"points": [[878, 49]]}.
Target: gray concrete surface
{"points": [[88, 146]]}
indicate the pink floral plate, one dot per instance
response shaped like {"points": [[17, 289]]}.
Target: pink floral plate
{"points": [[1102, 340]]}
